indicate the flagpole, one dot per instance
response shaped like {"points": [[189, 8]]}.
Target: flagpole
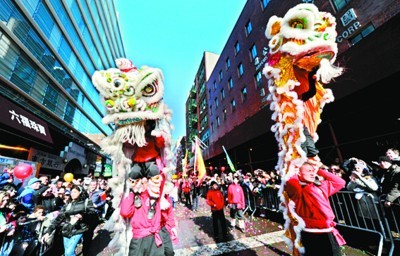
{"points": [[228, 159]]}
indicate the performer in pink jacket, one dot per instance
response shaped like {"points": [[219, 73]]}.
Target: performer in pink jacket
{"points": [[312, 207], [236, 203], [150, 236]]}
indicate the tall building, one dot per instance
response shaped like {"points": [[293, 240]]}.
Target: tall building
{"points": [[361, 122], [197, 116], [50, 108]]}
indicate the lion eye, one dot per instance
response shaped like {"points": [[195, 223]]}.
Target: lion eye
{"points": [[149, 90], [298, 24], [117, 83]]}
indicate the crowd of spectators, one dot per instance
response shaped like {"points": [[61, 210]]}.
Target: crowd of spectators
{"points": [[380, 178], [41, 205]]}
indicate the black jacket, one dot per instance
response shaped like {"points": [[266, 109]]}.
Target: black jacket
{"points": [[83, 207]]}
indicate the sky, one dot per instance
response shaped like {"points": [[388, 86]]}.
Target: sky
{"points": [[172, 35]]}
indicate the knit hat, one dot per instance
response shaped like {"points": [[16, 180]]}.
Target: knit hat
{"points": [[213, 182], [33, 180], [385, 159]]}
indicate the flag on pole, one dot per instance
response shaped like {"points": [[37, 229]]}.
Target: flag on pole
{"points": [[199, 165], [228, 159], [184, 164]]}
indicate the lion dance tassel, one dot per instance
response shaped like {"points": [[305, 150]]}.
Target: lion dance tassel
{"points": [[302, 51]]}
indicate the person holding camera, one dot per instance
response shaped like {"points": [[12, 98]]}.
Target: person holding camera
{"points": [[73, 218]]}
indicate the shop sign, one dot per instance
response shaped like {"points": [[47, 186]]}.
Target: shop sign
{"points": [[47, 160], [348, 17], [348, 32], [17, 118]]}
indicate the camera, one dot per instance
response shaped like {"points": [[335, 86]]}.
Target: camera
{"points": [[348, 165]]}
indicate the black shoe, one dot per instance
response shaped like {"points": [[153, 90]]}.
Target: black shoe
{"points": [[138, 201], [152, 211]]}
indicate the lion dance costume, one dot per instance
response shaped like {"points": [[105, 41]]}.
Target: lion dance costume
{"points": [[140, 148], [302, 51]]}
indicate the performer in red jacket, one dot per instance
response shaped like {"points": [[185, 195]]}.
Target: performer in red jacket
{"points": [[313, 209], [215, 199]]}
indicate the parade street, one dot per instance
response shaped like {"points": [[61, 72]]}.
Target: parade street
{"points": [[261, 237]]}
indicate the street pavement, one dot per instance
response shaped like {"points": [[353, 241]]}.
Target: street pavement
{"points": [[261, 236]]}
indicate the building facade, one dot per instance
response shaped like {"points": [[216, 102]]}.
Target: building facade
{"points": [[48, 52], [238, 111]]}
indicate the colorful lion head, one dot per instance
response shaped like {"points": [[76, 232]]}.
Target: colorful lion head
{"points": [[130, 95], [305, 34]]}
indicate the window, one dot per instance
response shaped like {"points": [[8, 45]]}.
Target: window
{"points": [[218, 121], [202, 88], [237, 47], [262, 92], [215, 85], [340, 4], [244, 94], [51, 97], [216, 102], [258, 77], [365, 32], [228, 63], [69, 113], [264, 3], [224, 113], [240, 69], [233, 105], [230, 82], [253, 51], [249, 28], [220, 75], [212, 127], [222, 94]]}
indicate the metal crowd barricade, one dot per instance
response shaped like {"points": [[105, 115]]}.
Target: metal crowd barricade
{"points": [[270, 199], [392, 217], [361, 211], [250, 201]]}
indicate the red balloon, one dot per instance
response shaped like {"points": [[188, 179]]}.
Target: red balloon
{"points": [[211, 168], [222, 168], [23, 171]]}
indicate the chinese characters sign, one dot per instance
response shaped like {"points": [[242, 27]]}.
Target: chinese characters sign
{"points": [[17, 118], [46, 160]]}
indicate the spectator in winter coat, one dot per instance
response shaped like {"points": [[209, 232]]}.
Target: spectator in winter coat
{"points": [[7, 225], [75, 216], [236, 203], [29, 195], [215, 199], [186, 189], [390, 181], [7, 176]]}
